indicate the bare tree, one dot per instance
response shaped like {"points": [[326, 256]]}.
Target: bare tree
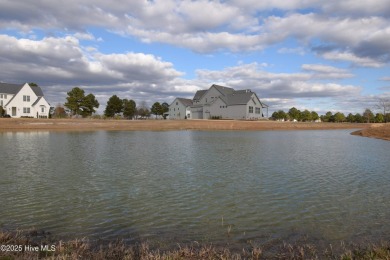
{"points": [[384, 105]]}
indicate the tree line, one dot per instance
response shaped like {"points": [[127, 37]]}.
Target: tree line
{"points": [[306, 116], [128, 108], [295, 114], [80, 104]]}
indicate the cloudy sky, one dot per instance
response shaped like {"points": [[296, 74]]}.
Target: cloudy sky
{"points": [[312, 54]]}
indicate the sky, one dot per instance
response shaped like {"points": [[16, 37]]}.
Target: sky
{"points": [[310, 54]]}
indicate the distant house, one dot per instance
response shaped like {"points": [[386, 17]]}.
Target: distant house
{"points": [[23, 101], [224, 103], [180, 109]]}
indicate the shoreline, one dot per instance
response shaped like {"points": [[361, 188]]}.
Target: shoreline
{"points": [[34, 244], [379, 130], [27, 124]]}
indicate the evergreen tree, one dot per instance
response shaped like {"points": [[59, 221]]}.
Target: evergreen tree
{"points": [[79, 104], [351, 118], [339, 117], [75, 100], [129, 108], [114, 106], [89, 105], [294, 113], [314, 115], [156, 109], [305, 116], [368, 115], [165, 108]]}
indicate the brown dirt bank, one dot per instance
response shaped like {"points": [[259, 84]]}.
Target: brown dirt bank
{"points": [[380, 131], [10, 125]]}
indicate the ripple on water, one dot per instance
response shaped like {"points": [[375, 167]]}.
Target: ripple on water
{"points": [[207, 186]]}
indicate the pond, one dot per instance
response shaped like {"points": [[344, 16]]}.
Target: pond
{"points": [[183, 186]]}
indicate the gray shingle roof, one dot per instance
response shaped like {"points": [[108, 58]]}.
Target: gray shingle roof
{"points": [[6, 88], [224, 90], [229, 96], [185, 101], [238, 98], [199, 94], [38, 91], [36, 101]]}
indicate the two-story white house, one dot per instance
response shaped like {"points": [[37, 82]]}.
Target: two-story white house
{"points": [[23, 101], [226, 103], [180, 108]]}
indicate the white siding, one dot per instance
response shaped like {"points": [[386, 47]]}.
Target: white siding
{"points": [[22, 104], [18, 106], [177, 110], [254, 104], [5, 98], [41, 109], [210, 95]]}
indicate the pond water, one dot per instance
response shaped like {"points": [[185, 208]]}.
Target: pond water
{"points": [[182, 186]]}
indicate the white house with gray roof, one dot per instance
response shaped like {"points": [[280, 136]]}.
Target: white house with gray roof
{"points": [[23, 101], [180, 108], [225, 103]]}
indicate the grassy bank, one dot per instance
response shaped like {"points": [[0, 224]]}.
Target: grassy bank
{"points": [[28, 124], [380, 131], [22, 245]]}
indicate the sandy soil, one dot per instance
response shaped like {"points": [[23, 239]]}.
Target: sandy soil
{"points": [[380, 131], [11, 124]]}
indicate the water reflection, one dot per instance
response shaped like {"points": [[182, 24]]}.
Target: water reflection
{"points": [[188, 185]]}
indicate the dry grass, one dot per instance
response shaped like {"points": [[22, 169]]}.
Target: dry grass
{"points": [[83, 249], [26, 124], [380, 131]]}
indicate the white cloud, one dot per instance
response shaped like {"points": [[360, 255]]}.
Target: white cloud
{"points": [[326, 72], [280, 85], [84, 36], [353, 7], [356, 27], [299, 51], [62, 62], [350, 57]]}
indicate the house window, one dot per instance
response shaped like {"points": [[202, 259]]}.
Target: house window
{"points": [[257, 110], [1, 102], [177, 103], [1, 96], [5, 96], [43, 109], [26, 110], [26, 98], [251, 109]]}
